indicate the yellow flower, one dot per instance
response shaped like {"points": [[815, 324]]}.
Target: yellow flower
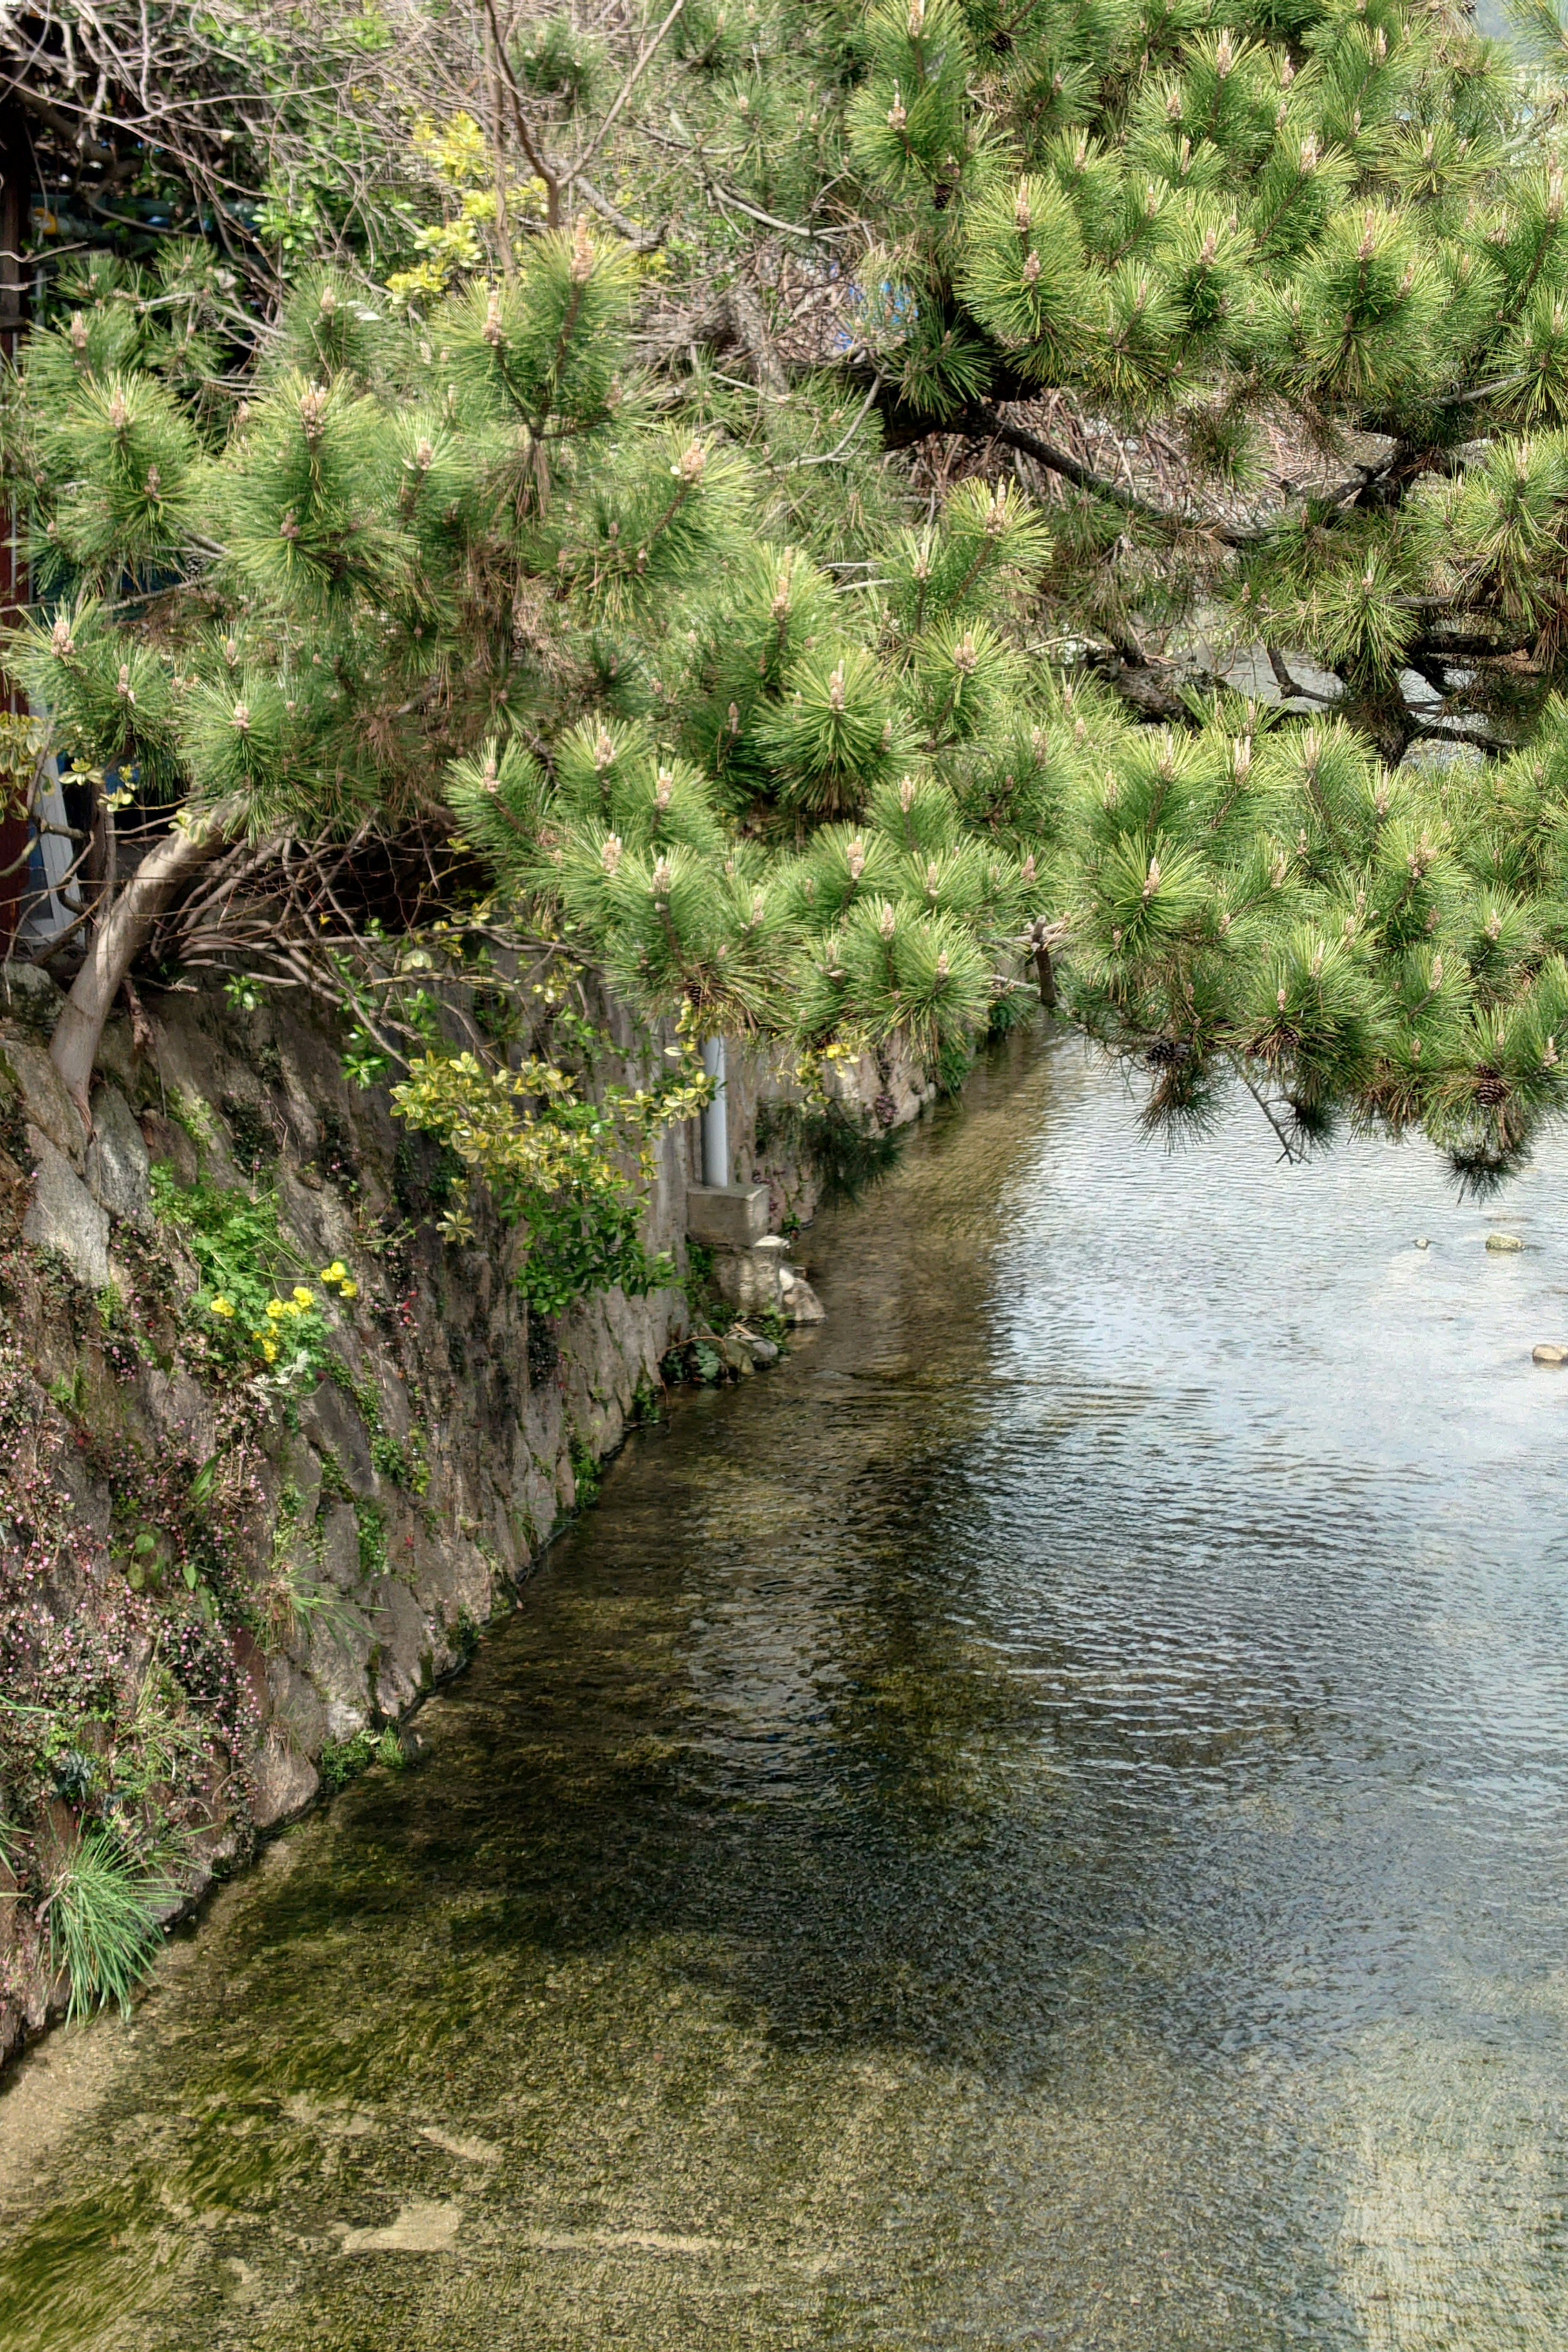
{"points": [[276, 1309], [350, 1290], [303, 1298], [335, 1272], [223, 1306], [269, 1350]]}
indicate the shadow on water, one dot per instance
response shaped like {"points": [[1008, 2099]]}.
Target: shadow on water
{"points": [[1040, 1824]]}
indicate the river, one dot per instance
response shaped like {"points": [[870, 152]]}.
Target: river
{"points": [[1040, 1823]]}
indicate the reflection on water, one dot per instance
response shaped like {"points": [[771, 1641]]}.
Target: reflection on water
{"points": [[1041, 1823]]}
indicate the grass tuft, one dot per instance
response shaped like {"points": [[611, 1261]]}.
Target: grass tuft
{"points": [[104, 1927]]}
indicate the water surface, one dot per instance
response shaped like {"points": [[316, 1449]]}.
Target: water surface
{"points": [[1040, 1824]]}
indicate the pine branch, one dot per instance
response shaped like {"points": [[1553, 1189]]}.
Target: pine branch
{"points": [[979, 423]]}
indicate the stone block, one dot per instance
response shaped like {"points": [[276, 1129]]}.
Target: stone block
{"points": [[63, 1215], [726, 1216], [750, 1278], [117, 1162]]}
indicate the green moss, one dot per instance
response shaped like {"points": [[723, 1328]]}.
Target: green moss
{"points": [[403, 1460], [253, 1140], [342, 1761], [370, 1519], [193, 1115]]}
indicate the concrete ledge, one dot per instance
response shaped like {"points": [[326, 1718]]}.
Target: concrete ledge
{"points": [[726, 1216]]}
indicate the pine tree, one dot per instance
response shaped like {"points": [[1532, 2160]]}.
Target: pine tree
{"points": [[757, 718]]}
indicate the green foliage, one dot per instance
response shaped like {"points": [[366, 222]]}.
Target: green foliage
{"points": [[734, 704], [371, 1523]]}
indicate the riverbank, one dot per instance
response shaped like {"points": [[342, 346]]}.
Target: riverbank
{"points": [[220, 1597], [1040, 1822]]}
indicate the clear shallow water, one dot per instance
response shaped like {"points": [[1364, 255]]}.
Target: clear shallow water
{"points": [[1041, 1823]]}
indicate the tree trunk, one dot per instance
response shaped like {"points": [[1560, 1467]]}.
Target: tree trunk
{"points": [[1046, 973], [116, 935]]}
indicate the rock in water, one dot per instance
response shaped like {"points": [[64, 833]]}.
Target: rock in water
{"points": [[1504, 1242], [1548, 1354], [801, 1303], [1424, 1243]]}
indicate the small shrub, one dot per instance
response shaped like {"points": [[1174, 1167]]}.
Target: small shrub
{"points": [[586, 1475], [1010, 1010], [255, 1314], [75, 1772], [342, 1761], [404, 1463], [370, 1521]]}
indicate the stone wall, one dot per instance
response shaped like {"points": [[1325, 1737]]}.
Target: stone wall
{"points": [[364, 1531]]}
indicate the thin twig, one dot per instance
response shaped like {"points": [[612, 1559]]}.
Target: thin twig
{"points": [[630, 83]]}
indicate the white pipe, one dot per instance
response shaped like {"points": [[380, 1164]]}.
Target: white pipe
{"points": [[716, 1117]]}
